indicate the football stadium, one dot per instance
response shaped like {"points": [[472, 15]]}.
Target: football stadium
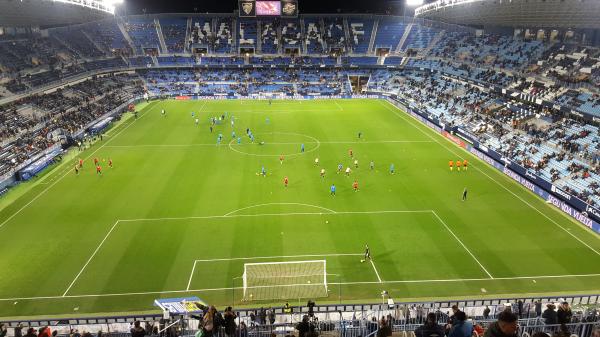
{"points": [[255, 168]]}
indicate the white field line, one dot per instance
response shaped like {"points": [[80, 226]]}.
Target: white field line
{"points": [[334, 283], [338, 105], [259, 258], [485, 174], [191, 275], [91, 257], [375, 269], [64, 175], [272, 214], [280, 203], [275, 143], [278, 257], [462, 244]]}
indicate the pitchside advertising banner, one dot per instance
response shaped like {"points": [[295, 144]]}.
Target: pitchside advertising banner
{"points": [[181, 305]]}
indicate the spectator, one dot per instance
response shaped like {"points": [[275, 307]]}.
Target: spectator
{"points": [[243, 330], [19, 330], [564, 313], [385, 330], [3, 330], [506, 326], [137, 330], [486, 312], [31, 332], [230, 326], [460, 326], [303, 327], [430, 328], [549, 314], [538, 308]]}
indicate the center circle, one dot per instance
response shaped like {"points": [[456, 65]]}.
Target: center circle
{"points": [[275, 144]]}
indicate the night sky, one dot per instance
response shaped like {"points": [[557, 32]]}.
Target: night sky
{"points": [[228, 6]]}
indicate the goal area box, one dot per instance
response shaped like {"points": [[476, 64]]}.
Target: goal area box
{"points": [[285, 280]]}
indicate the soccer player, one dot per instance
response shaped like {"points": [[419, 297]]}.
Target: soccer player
{"points": [[348, 171], [465, 163], [355, 185], [317, 161], [332, 189], [211, 129], [285, 181], [340, 168], [98, 169], [302, 147], [239, 141], [80, 163], [76, 170], [458, 165], [193, 114], [197, 121], [252, 138], [267, 120], [355, 163], [350, 153], [281, 159], [367, 254], [232, 134], [110, 163], [232, 122], [96, 161], [392, 169], [451, 164], [372, 165], [359, 134], [263, 172], [323, 173], [464, 196]]}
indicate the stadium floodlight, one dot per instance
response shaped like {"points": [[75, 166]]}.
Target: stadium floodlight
{"points": [[414, 3], [107, 6], [285, 280]]}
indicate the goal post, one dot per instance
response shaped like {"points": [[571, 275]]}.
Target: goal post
{"points": [[285, 280]]}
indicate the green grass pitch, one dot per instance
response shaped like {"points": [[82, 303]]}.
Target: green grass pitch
{"points": [[179, 215]]}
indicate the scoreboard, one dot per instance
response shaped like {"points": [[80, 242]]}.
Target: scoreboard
{"points": [[269, 8]]}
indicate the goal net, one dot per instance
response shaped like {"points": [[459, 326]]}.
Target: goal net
{"points": [[285, 280]]}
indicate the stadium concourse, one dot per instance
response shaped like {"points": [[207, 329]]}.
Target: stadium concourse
{"points": [[534, 102]]}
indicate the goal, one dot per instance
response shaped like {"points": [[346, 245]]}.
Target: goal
{"points": [[285, 280]]}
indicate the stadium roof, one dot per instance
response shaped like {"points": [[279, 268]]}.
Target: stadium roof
{"points": [[515, 13], [44, 13]]}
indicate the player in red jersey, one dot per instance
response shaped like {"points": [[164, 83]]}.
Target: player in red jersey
{"points": [[285, 181], [96, 161], [350, 153], [110, 163], [465, 163], [80, 163], [458, 165], [355, 186], [98, 169], [451, 164]]}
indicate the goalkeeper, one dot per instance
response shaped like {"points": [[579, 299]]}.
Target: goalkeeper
{"points": [[367, 254]]}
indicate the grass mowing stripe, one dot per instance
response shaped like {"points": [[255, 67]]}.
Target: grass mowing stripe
{"points": [[452, 150], [90, 259], [462, 244], [64, 175]]}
